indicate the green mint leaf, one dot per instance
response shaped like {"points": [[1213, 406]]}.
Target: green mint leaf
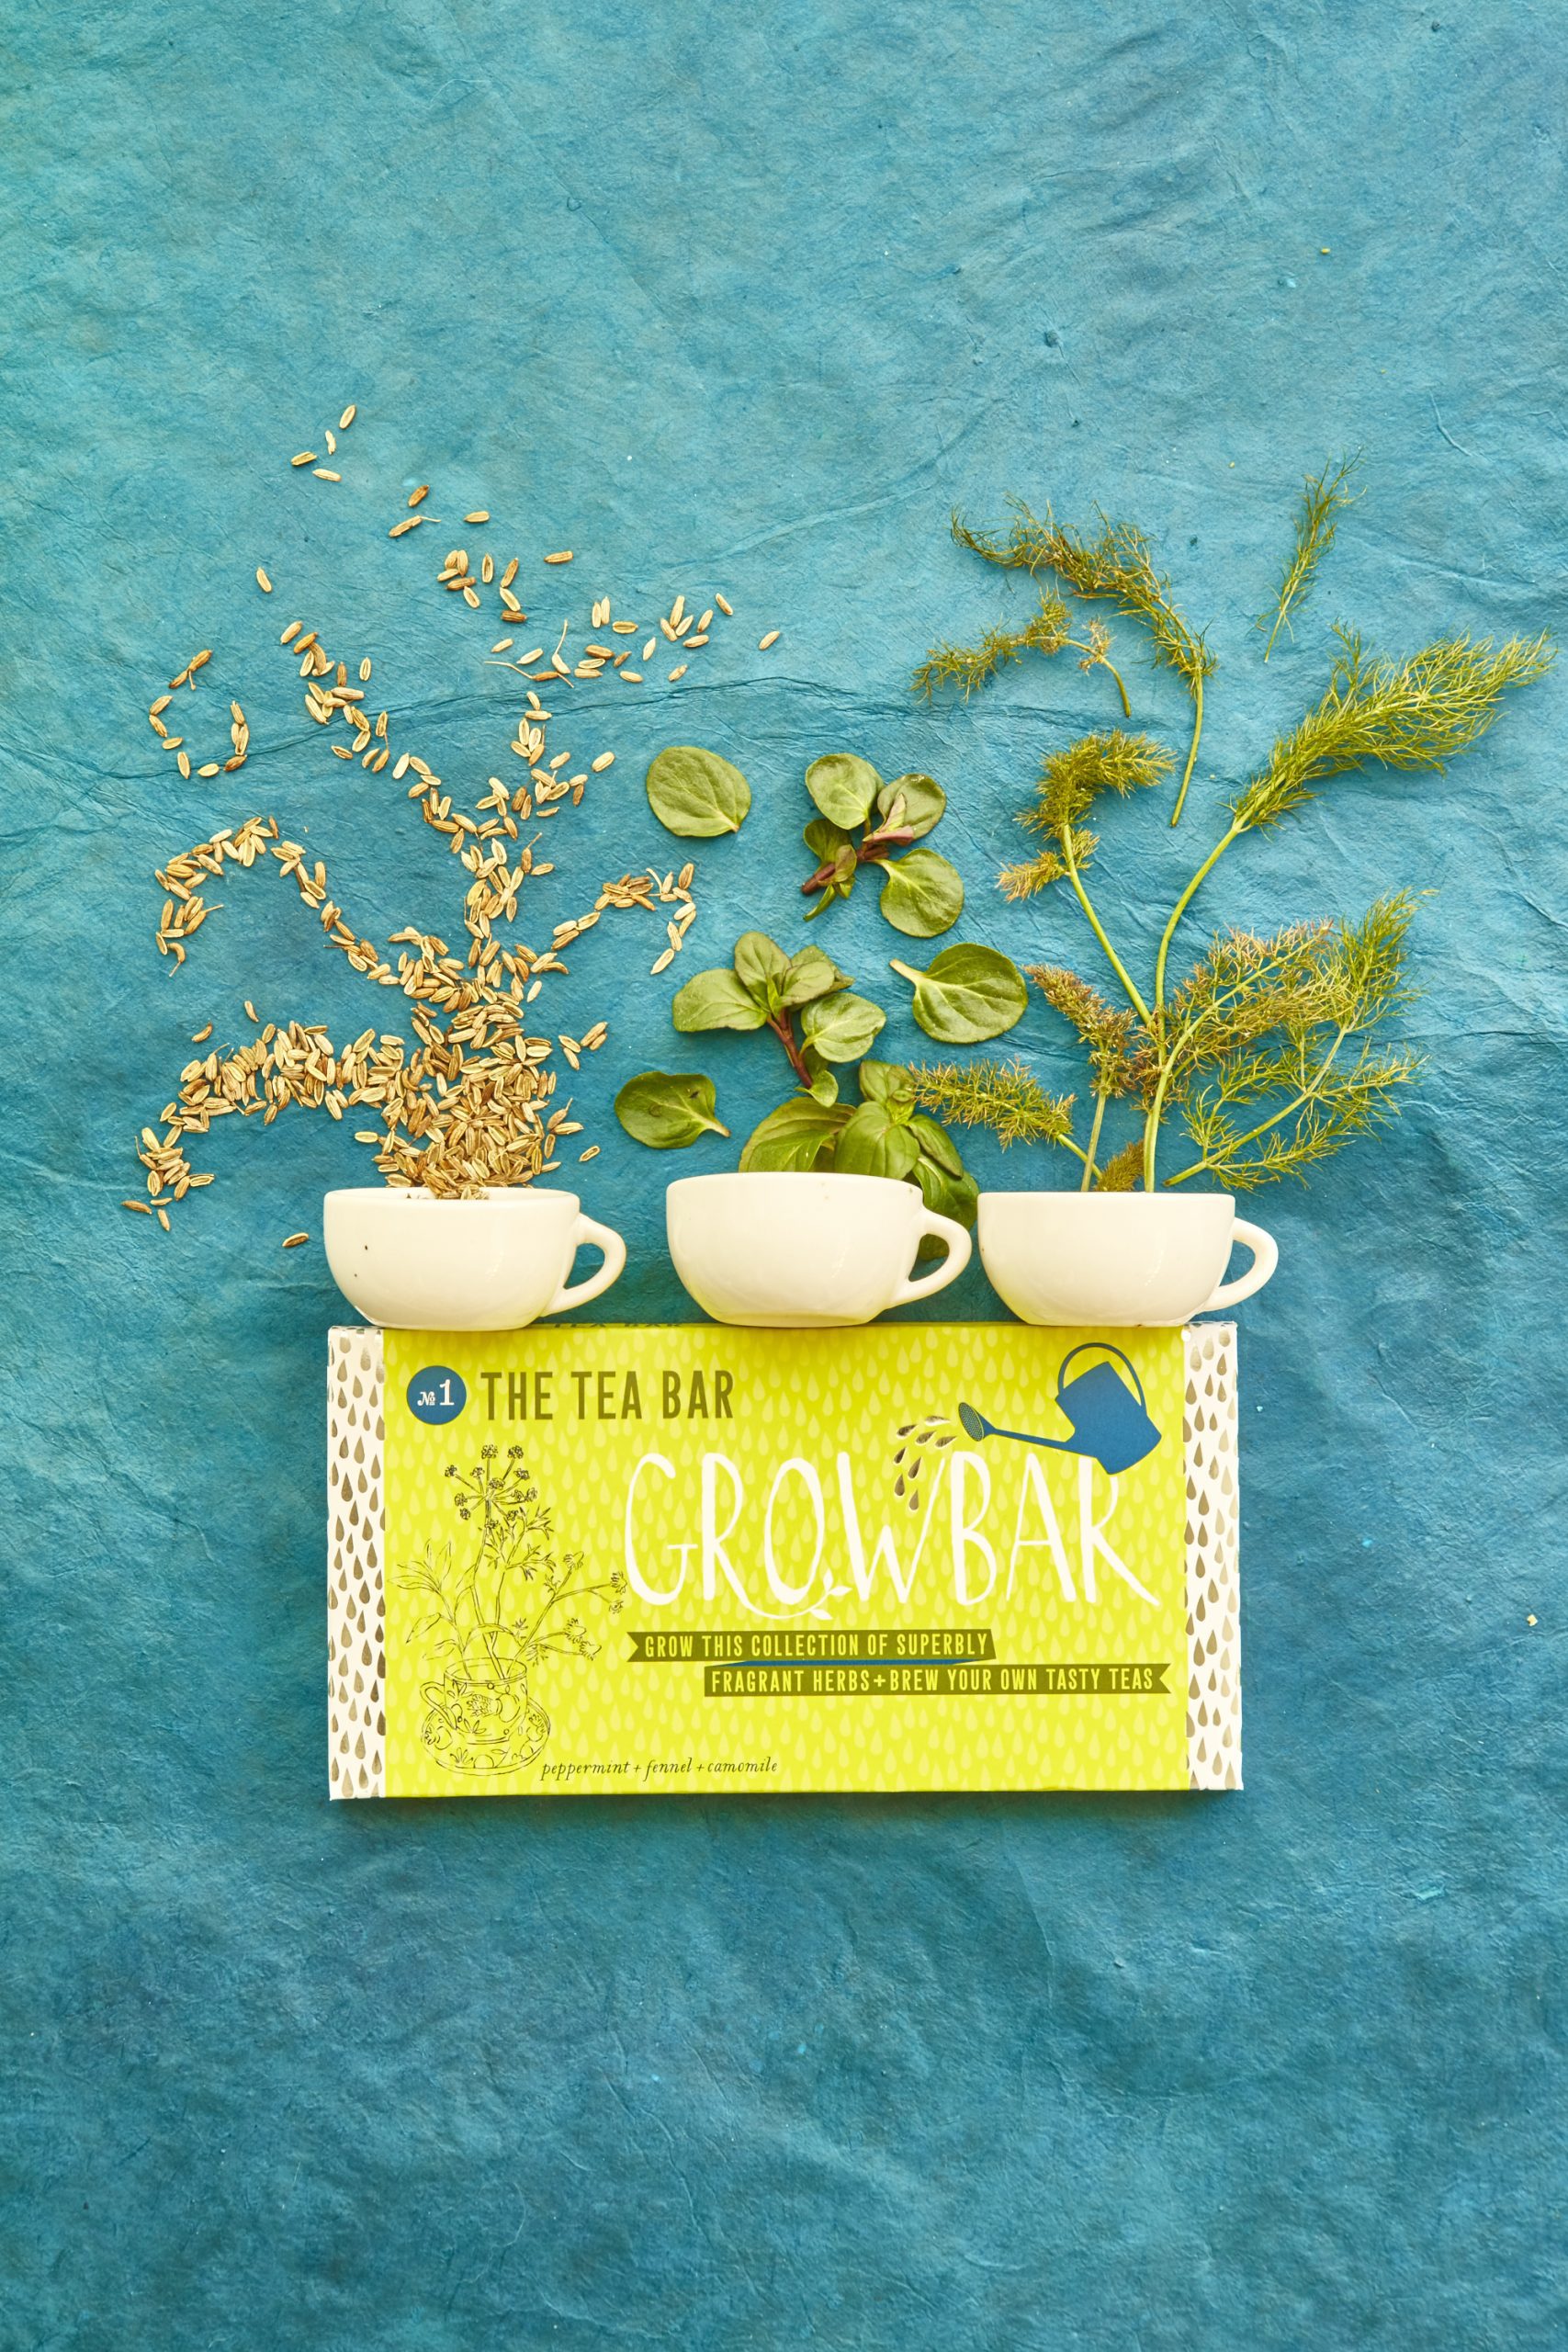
{"points": [[955, 1196], [717, 999], [871, 1145], [794, 1136], [824, 1086], [967, 994], [936, 1144], [759, 963], [696, 794], [825, 840], [810, 975], [840, 1027], [923, 894], [843, 787], [885, 1082], [916, 801], [667, 1110]]}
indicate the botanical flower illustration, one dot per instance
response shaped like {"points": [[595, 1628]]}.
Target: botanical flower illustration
{"points": [[493, 1617]]}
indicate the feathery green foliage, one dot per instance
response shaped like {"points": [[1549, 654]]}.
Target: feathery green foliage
{"points": [[1324, 498], [1412, 714], [1241, 989], [1037, 873], [1123, 1169], [1116, 1045], [1072, 781], [1116, 566], [1003, 1096], [1259, 1022], [975, 665], [1049, 631], [1269, 1048], [1263, 1022], [1326, 1105]]}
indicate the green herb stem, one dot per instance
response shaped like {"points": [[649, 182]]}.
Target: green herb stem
{"points": [[783, 1028], [1197, 684], [1126, 705], [1184, 903], [1157, 1108], [874, 846], [1095, 924], [1093, 1144], [1151, 1125]]}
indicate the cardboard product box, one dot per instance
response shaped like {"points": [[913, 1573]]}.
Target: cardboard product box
{"points": [[636, 1560]]}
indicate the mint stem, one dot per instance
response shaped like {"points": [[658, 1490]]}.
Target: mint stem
{"points": [[783, 1027]]}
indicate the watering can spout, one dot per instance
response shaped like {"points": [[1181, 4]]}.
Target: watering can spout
{"points": [[975, 1425]]}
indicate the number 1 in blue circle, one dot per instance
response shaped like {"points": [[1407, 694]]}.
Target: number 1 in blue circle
{"points": [[437, 1394]]}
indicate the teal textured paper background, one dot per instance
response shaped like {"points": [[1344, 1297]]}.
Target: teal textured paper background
{"points": [[753, 297]]}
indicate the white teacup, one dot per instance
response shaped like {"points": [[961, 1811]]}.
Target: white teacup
{"points": [[1117, 1257], [414, 1262], [798, 1251]]}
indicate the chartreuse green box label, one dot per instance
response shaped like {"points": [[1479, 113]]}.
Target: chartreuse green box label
{"points": [[630, 1561]]}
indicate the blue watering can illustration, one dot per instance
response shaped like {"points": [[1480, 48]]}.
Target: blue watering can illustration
{"points": [[1108, 1422]]}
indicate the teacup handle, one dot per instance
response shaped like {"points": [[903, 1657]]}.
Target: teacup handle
{"points": [[1265, 1258], [615, 1248], [958, 1248]]}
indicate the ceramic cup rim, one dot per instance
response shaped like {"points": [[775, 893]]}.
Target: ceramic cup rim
{"points": [[834, 1176], [417, 1195], [1121, 1203]]}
